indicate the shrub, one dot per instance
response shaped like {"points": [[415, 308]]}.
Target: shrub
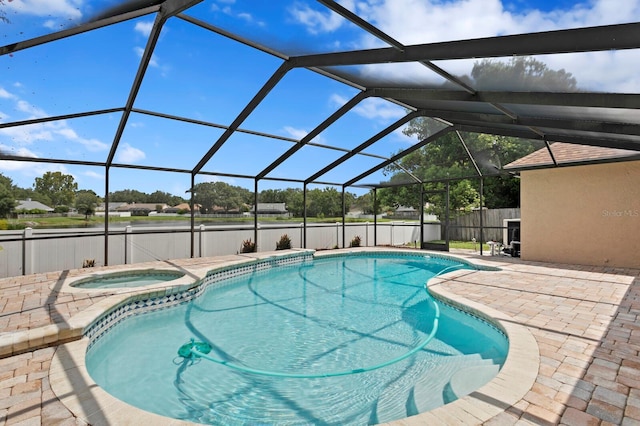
{"points": [[4, 224], [248, 246], [355, 242], [61, 209], [31, 211], [284, 243]]}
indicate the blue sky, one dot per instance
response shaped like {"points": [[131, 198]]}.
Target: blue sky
{"points": [[202, 76]]}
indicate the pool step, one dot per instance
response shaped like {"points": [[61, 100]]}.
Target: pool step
{"points": [[445, 383]]}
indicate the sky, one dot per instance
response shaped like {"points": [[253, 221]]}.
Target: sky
{"points": [[202, 76]]}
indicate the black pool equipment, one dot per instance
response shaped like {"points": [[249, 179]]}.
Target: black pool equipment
{"points": [[513, 248], [186, 351]]}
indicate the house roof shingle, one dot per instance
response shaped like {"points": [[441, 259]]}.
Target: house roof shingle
{"points": [[569, 153], [32, 205]]}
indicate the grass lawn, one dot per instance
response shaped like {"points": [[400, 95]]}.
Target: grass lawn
{"points": [[466, 245], [81, 222]]}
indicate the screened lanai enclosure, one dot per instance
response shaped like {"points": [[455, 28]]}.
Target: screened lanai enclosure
{"points": [[152, 94]]}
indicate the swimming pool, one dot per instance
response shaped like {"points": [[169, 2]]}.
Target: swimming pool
{"points": [[287, 324]]}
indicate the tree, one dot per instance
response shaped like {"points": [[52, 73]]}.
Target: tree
{"points": [[441, 160], [294, 201], [161, 197], [365, 203], [291, 197], [86, 202], [272, 196], [212, 195], [7, 202], [128, 196], [327, 202], [521, 73], [60, 188], [7, 182], [29, 193], [447, 159]]}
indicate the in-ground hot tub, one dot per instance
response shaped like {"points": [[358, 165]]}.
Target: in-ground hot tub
{"points": [[127, 279]]}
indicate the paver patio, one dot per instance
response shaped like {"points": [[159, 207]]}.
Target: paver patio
{"points": [[584, 319]]}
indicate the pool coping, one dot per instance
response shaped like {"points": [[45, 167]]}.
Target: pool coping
{"points": [[72, 384]]}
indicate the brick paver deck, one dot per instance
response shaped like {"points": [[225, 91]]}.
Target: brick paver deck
{"points": [[584, 319]]}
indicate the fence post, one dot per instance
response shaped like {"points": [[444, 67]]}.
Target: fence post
{"points": [[127, 243], [301, 234], [26, 234], [391, 228], [366, 234], [257, 236], [200, 233]]}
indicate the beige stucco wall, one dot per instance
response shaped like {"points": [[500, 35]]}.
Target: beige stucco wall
{"points": [[588, 215]]}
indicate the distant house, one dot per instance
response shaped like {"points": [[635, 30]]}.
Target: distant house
{"points": [[182, 207], [271, 209], [113, 206], [406, 212], [142, 209], [28, 204]]}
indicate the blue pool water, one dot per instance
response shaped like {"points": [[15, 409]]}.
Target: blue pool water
{"points": [[331, 315]]}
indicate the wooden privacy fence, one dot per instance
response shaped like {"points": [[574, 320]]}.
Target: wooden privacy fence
{"points": [[466, 227]]}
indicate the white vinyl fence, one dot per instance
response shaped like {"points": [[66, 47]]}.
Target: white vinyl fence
{"points": [[35, 251]]}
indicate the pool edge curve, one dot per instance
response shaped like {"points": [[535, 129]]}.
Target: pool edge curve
{"points": [[74, 387]]}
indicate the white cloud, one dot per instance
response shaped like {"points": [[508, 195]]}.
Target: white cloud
{"points": [[21, 151], [316, 21], [371, 108], [91, 144], [431, 21], [435, 20], [301, 133], [337, 100], [94, 175], [225, 179], [295, 133], [52, 25], [228, 10], [153, 62], [29, 134], [26, 171], [128, 154], [245, 16], [6, 95], [376, 108], [52, 131], [144, 28], [32, 110], [68, 9], [402, 137]]}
